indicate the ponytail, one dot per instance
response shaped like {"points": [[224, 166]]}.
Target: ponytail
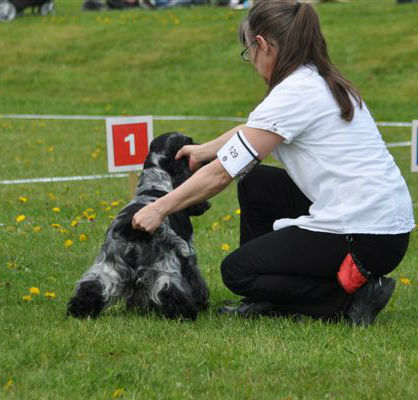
{"points": [[295, 27]]}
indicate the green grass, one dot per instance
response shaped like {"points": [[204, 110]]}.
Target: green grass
{"points": [[183, 61]]}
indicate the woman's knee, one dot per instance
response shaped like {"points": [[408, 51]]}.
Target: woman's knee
{"points": [[234, 276], [227, 271]]}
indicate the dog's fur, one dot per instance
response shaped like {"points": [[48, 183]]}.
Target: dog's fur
{"points": [[151, 272]]}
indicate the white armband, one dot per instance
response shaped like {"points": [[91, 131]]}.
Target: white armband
{"points": [[237, 156]]}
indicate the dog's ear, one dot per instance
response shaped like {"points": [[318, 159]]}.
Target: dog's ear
{"points": [[198, 209], [180, 171]]}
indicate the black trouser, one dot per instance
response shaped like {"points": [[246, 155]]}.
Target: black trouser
{"points": [[296, 268]]}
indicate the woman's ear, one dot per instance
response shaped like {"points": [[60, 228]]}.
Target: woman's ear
{"points": [[263, 44]]}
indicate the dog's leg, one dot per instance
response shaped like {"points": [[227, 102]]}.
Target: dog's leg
{"points": [[103, 284], [189, 268], [200, 291], [170, 294], [176, 300]]}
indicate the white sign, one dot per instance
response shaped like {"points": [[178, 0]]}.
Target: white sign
{"points": [[414, 147], [128, 141]]}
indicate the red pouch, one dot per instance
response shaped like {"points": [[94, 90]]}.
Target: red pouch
{"points": [[352, 275]]}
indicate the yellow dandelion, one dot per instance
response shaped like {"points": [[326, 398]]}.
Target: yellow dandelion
{"points": [[68, 243], [91, 217], [27, 298], [56, 209], [215, 226], [50, 295], [23, 199], [88, 215], [406, 281], [20, 218], [104, 203], [226, 218], [50, 149], [37, 229], [12, 265], [108, 208], [118, 393], [74, 223], [115, 203], [225, 247], [88, 210], [8, 385], [83, 237], [238, 211], [52, 196], [63, 231], [34, 290], [56, 226]]}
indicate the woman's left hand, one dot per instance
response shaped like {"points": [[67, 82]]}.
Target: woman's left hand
{"points": [[148, 219]]}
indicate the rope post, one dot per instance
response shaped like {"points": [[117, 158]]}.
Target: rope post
{"points": [[133, 181]]}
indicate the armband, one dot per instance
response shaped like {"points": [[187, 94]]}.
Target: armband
{"points": [[237, 156]]}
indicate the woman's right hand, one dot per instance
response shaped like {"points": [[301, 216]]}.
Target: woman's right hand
{"points": [[192, 153]]}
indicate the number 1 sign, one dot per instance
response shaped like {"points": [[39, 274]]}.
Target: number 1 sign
{"points": [[128, 140]]}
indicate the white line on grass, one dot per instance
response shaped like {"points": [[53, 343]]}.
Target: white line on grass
{"points": [[62, 179], [399, 144], [157, 118]]}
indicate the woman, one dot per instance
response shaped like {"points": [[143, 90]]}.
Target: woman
{"points": [[340, 208]]}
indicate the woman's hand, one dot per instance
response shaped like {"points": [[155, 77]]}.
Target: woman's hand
{"points": [[192, 153], [148, 219]]}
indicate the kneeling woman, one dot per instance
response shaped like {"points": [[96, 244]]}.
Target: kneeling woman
{"points": [[318, 236]]}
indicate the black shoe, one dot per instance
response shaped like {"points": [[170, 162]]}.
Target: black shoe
{"points": [[369, 300]]}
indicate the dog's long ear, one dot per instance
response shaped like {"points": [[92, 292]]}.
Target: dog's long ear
{"points": [[181, 171], [198, 209]]}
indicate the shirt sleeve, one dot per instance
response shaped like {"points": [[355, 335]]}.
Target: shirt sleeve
{"points": [[284, 111]]}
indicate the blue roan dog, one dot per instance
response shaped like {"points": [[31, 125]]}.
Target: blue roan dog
{"points": [[151, 272]]}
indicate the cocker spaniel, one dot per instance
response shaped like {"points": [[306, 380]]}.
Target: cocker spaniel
{"points": [[156, 272]]}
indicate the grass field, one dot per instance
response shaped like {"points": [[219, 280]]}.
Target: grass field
{"points": [[186, 62]]}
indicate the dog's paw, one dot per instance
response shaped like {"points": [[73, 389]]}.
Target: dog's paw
{"points": [[88, 300], [176, 303]]}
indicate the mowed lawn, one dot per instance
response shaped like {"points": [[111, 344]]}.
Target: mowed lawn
{"points": [[175, 62]]}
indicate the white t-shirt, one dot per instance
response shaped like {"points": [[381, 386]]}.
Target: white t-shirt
{"points": [[343, 167]]}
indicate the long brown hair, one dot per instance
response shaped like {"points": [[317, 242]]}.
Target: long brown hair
{"points": [[295, 28]]}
